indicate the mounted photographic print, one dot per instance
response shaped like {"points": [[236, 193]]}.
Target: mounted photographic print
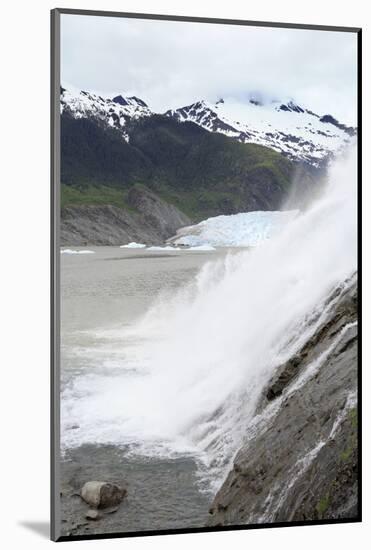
{"points": [[205, 213]]}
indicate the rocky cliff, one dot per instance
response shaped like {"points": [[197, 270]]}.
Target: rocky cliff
{"points": [[299, 458], [149, 219]]}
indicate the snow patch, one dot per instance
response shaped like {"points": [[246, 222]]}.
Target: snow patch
{"points": [[72, 251], [133, 245]]}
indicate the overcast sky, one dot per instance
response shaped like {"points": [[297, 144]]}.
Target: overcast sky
{"points": [[171, 64]]}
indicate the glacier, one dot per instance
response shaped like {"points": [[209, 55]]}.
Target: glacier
{"points": [[237, 230]]}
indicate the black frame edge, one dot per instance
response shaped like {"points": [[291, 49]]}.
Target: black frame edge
{"points": [[360, 280], [196, 530], [55, 270], [195, 19]]}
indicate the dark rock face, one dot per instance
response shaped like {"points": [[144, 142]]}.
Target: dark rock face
{"points": [[256, 102], [295, 108], [165, 217], [139, 101], [151, 221], [301, 462], [329, 119], [120, 100]]}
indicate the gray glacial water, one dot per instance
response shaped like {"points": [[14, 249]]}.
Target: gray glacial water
{"points": [[102, 294]]}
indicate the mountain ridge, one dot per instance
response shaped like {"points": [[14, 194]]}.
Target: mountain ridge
{"points": [[110, 145], [202, 173], [295, 131]]}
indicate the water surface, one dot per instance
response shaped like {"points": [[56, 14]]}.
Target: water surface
{"points": [[102, 296]]}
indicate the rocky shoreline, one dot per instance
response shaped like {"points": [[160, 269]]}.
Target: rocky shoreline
{"points": [[160, 493]]}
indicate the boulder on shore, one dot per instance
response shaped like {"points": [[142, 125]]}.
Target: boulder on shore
{"points": [[101, 494]]}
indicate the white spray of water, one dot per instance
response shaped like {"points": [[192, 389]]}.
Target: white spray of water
{"points": [[195, 365]]}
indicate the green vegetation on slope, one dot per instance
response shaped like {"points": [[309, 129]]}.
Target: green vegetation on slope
{"points": [[93, 194], [201, 173]]}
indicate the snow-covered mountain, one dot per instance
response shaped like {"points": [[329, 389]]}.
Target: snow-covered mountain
{"points": [[297, 132], [115, 112], [284, 126]]}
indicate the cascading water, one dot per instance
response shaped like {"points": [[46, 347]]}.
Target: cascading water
{"points": [[189, 374]]}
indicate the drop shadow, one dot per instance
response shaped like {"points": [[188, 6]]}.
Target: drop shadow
{"points": [[41, 528]]}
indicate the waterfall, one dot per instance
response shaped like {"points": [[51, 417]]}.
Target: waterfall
{"points": [[192, 369]]}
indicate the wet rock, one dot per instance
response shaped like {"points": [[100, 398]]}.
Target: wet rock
{"points": [[302, 462], [101, 494], [283, 378], [93, 515]]}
